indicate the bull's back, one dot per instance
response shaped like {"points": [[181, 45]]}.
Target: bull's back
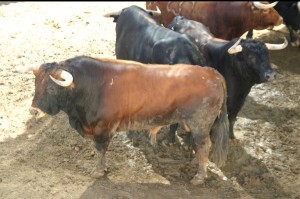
{"points": [[141, 38], [133, 35], [225, 20]]}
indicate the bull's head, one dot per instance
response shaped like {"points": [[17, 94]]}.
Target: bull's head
{"points": [[47, 93], [265, 15], [252, 61]]}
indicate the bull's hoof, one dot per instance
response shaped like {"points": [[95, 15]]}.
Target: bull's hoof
{"points": [[97, 173], [197, 180], [295, 43], [166, 143]]}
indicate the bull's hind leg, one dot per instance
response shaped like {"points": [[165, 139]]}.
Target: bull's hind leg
{"points": [[202, 146], [172, 133]]}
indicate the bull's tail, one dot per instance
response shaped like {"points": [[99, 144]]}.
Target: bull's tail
{"points": [[219, 136]]}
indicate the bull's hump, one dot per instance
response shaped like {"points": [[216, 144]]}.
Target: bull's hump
{"points": [[170, 70]]}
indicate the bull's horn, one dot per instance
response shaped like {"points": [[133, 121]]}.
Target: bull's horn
{"points": [[298, 5], [22, 69], [236, 47], [277, 46], [260, 5], [111, 14], [68, 79], [155, 12]]}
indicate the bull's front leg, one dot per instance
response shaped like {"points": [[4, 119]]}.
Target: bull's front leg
{"points": [[101, 144], [231, 125], [295, 42], [202, 152]]}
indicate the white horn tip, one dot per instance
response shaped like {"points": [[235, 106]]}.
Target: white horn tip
{"points": [[158, 10], [23, 69], [20, 69]]}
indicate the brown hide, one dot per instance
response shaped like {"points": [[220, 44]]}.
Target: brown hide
{"points": [[226, 20], [139, 96]]}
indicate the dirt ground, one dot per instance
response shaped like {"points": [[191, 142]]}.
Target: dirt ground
{"points": [[48, 159]]}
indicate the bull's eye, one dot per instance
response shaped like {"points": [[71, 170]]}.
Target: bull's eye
{"points": [[51, 90]]}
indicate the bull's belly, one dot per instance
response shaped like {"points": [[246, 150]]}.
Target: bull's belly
{"points": [[147, 123], [199, 114]]}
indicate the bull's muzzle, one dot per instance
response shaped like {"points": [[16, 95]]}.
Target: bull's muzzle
{"points": [[270, 75], [36, 112]]}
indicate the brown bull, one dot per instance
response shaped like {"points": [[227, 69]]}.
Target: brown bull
{"points": [[104, 96], [225, 20]]}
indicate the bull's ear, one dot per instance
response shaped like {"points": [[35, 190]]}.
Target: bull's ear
{"points": [[116, 17]]}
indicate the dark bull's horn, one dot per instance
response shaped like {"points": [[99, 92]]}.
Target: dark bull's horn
{"points": [[236, 47], [277, 46], [22, 69], [117, 13], [68, 79], [112, 14], [260, 5]]}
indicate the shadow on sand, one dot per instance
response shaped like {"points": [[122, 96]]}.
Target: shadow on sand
{"points": [[247, 176]]}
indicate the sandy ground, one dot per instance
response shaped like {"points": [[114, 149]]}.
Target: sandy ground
{"points": [[47, 159]]}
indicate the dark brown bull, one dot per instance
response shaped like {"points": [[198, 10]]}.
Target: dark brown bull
{"points": [[226, 20], [104, 96]]}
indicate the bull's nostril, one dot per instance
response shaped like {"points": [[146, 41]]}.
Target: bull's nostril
{"points": [[36, 112], [33, 111]]}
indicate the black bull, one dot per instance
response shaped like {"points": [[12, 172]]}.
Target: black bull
{"points": [[104, 96], [243, 63], [290, 12], [140, 37]]}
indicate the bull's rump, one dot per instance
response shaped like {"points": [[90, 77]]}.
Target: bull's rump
{"points": [[160, 94]]}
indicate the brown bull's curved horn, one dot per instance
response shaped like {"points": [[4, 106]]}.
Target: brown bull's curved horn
{"points": [[22, 69], [68, 79], [236, 47], [260, 5], [277, 46]]}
